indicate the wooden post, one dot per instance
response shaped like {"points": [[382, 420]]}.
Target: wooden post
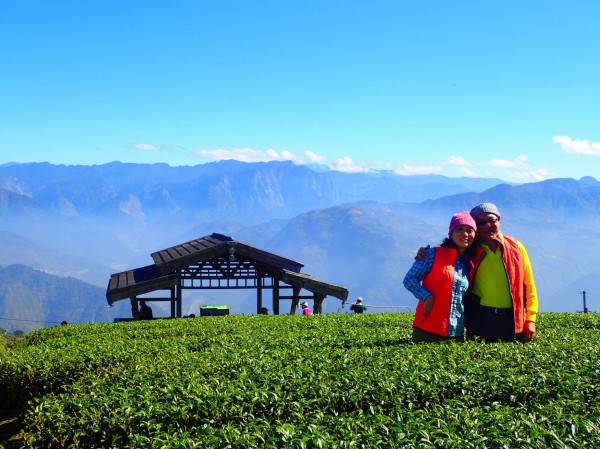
{"points": [[259, 291], [318, 305], [295, 300], [173, 300], [276, 294], [179, 295], [135, 310]]}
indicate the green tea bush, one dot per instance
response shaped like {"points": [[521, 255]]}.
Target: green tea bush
{"points": [[331, 381]]}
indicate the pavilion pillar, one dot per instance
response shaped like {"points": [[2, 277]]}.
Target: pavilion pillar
{"points": [[259, 291], [179, 295], [173, 301], [318, 302], [276, 278], [295, 299], [135, 310]]}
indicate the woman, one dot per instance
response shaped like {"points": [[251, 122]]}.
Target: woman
{"points": [[305, 309], [440, 282]]}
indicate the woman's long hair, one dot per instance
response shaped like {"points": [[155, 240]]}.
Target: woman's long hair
{"points": [[449, 243]]}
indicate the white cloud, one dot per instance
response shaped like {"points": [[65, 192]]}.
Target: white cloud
{"points": [[288, 155], [241, 154], [503, 163], [465, 171], [457, 160], [419, 170], [347, 165], [576, 146], [314, 157], [253, 155], [144, 146], [532, 174], [517, 169]]}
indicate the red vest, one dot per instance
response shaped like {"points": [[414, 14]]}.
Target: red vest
{"points": [[439, 283], [513, 265]]}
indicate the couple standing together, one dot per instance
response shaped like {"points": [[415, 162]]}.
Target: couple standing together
{"points": [[476, 278]]}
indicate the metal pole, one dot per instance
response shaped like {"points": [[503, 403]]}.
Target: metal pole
{"points": [[585, 310]]}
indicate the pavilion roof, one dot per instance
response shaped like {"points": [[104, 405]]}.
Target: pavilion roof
{"points": [[164, 272]]}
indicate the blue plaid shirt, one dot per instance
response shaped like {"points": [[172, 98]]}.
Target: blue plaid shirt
{"points": [[413, 283]]}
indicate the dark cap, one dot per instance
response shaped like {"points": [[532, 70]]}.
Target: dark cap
{"points": [[485, 208]]}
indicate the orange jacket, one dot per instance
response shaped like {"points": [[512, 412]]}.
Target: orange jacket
{"points": [[439, 283], [514, 268]]}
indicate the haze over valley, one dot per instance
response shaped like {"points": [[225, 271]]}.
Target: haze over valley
{"points": [[359, 231]]}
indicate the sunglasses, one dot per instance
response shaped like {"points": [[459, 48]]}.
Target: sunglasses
{"points": [[484, 222]]}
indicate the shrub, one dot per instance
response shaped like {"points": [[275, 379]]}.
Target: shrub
{"points": [[331, 381]]}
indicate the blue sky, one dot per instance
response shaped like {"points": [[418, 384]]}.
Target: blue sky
{"points": [[506, 89]]}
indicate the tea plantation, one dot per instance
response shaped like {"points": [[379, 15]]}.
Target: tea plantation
{"points": [[325, 381]]}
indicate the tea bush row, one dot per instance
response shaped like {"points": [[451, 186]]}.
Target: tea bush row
{"points": [[291, 381]]}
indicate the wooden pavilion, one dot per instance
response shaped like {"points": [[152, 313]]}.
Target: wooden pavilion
{"points": [[220, 262]]}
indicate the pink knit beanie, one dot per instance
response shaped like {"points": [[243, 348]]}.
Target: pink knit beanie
{"points": [[461, 218]]}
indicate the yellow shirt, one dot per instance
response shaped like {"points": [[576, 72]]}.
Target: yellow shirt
{"points": [[491, 283]]}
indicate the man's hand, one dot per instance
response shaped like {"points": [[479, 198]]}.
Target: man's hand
{"points": [[428, 306], [529, 333], [422, 254]]}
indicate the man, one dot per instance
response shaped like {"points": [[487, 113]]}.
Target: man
{"points": [[503, 304], [145, 311], [503, 283], [358, 306]]}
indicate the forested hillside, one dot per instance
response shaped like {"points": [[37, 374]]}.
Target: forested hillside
{"points": [[30, 299]]}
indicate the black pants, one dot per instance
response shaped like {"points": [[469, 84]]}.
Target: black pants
{"points": [[491, 325], [421, 336]]}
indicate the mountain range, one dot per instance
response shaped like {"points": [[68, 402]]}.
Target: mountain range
{"points": [[360, 231]]}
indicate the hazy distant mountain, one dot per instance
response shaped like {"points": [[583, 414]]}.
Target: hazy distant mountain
{"points": [[368, 247], [120, 212], [356, 230], [276, 186], [572, 292], [30, 299], [19, 250], [552, 201]]}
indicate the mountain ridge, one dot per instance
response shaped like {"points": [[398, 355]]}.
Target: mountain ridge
{"points": [[349, 230]]}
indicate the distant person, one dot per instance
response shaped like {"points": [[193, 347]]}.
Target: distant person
{"points": [[145, 311], [358, 306], [305, 309], [440, 281], [503, 302], [63, 323], [263, 311]]}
